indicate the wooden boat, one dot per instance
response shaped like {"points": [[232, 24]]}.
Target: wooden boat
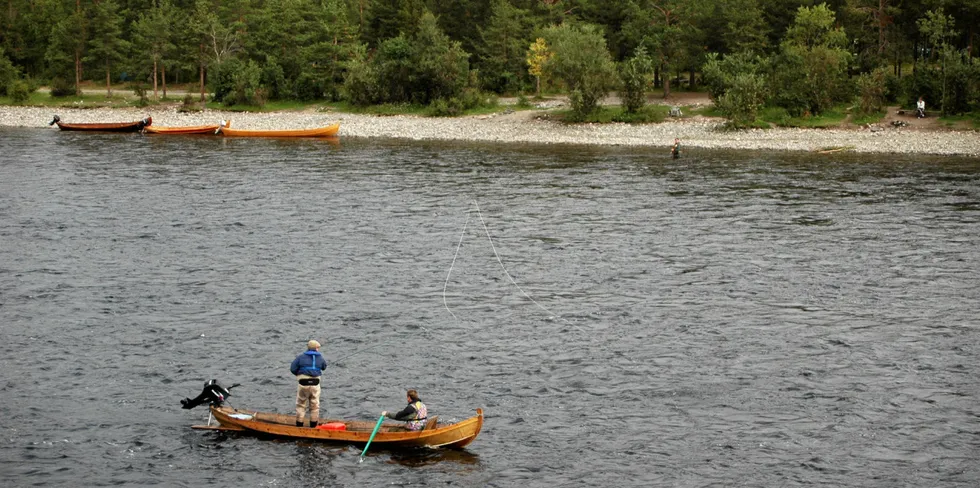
{"points": [[328, 131], [185, 130], [105, 127], [389, 435]]}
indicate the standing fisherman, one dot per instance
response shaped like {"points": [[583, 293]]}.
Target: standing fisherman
{"points": [[675, 152], [307, 367]]}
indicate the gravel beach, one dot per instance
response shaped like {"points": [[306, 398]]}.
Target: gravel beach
{"points": [[527, 127]]}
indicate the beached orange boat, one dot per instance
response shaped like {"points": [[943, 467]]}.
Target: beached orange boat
{"points": [[328, 131], [104, 127], [185, 130], [392, 435]]}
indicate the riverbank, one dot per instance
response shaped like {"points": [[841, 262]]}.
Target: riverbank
{"points": [[530, 127]]}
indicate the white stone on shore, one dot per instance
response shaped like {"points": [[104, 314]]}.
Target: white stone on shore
{"points": [[525, 127]]}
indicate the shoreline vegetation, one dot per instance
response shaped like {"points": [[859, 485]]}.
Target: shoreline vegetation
{"points": [[539, 125]]}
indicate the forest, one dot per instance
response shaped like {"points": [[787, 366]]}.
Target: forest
{"points": [[800, 57]]}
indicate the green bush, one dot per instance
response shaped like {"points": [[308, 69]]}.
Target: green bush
{"points": [[309, 87], [741, 102], [894, 90], [872, 89], [636, 75], [237, 82], [19, 91], [189, 104], [961, 85], [582, 61], [274, 80], [8, 73], [140, 91], [924, 82], [61, 87], [446, 108]]}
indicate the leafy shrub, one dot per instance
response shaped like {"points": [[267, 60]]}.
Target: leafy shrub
{"points": [[61, 87], [309, 87], [189, 104], [140, 91], [961, 86], [636, 75], [19, 91], [446, 108], [741, 102], [894, 90], [872, 89], [361, 83], [274, 79], [924, 82]]}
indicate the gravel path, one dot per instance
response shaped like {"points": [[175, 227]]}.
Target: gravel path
{"points": [[525, 126]]}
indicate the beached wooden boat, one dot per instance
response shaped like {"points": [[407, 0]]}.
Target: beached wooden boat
{"points": [[328, 131], [392, 435], [184, 130], [105, 127]]}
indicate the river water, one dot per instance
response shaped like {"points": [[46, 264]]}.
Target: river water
{"points": [[726, 319]]}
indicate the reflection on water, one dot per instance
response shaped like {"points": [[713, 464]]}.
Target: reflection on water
{"points": [[427, 456]]}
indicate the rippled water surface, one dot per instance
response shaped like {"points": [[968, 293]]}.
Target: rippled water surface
{"points": [[726, 319]]}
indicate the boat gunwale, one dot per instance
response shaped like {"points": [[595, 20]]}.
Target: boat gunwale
{"points": [[325, 131], [441, 436]]}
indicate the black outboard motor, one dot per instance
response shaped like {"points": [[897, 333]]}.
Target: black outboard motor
{"points": [[55, 121], [213, 394]]}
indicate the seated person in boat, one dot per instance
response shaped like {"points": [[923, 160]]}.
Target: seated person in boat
{"points": [[415, 413], [307, 367]]}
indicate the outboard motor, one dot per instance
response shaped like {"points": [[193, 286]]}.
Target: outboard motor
{"points": [[213, 394], [55, 121]]}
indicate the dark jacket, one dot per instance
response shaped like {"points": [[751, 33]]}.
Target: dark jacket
{"points": [[406, 414], [310, 363]]}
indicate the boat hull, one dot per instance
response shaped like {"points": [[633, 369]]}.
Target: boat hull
{"points": [[328, 131], [391, 435], [193, 129], [109, 127]]}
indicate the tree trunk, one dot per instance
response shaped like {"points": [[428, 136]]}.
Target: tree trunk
{"points": [[108, 79], [666, 81], [163, 78], [78, 73], [154, 77], [882, 19], [690, 83], [537, 90], [202, 72]]}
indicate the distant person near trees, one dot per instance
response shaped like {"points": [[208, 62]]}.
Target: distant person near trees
{"points": [[920, 108]]}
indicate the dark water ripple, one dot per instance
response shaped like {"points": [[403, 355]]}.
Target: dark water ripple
{"points": [[725, 319]]}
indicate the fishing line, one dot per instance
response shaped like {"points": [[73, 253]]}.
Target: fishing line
{"points": [[446, 284], [501, 262]]}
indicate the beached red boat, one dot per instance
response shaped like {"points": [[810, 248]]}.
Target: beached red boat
{"points": [[105, 127]]}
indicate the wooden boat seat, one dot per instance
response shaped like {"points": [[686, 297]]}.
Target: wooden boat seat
{"points": [[431, 423]]}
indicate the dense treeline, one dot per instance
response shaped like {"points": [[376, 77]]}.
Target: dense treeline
{"points": [[801, 56]]}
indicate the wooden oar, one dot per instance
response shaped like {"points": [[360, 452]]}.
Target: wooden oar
{"points": [[375, 431]]}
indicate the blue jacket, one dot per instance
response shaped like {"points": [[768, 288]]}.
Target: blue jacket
{"points": [[310, 363]]}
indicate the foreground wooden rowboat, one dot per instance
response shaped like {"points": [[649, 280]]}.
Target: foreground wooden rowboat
{"points": [[184, 130], [391, 434], [328, 131], [105, 127]]}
